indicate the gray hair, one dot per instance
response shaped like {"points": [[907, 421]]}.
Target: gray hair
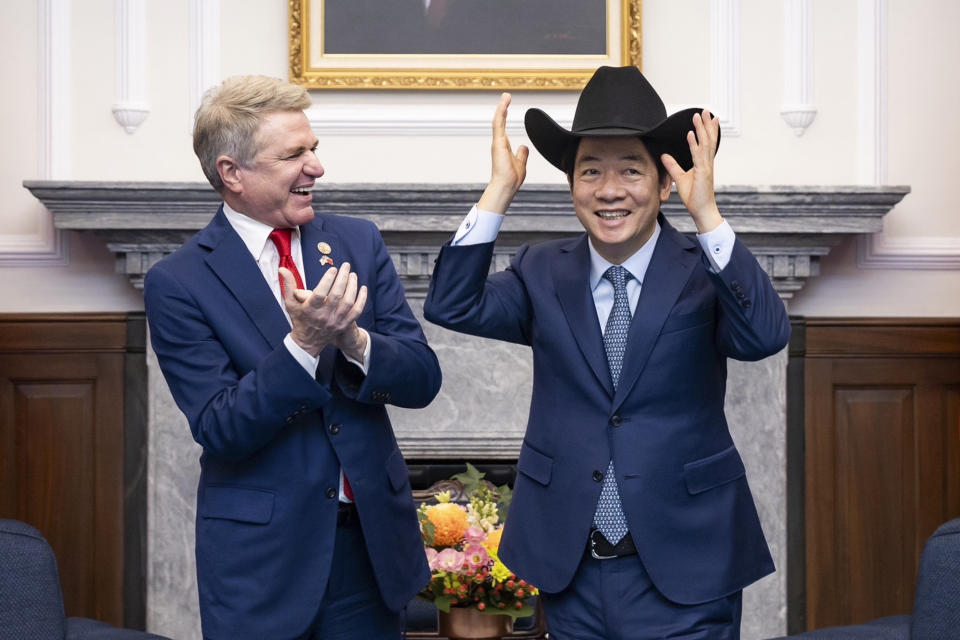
{"points": [[229, 115]]}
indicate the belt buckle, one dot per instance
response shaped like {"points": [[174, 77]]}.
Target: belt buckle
{"points": [[593, 547]]}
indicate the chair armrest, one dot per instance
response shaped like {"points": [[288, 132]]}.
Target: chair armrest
{"points": [[31, 605], [86, 629]]}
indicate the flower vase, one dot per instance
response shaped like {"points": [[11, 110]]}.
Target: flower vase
{"points": [[466, 623]]}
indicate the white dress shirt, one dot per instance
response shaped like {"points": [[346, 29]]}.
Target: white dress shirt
{"points": [[256, 237]]}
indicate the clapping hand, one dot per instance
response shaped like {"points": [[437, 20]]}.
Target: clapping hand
{"points": [[328, 314]]}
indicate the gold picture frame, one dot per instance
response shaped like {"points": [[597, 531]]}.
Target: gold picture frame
{"points": [[314, 68]]}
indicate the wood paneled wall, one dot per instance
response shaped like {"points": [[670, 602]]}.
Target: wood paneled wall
{"points": [[72, 452], [881, 460]]}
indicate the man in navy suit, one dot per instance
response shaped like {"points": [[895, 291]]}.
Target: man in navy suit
{"points": [[631, 509], [282, 335]]}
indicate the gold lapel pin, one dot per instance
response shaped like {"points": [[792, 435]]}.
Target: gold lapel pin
{"points": [[325, 250]]}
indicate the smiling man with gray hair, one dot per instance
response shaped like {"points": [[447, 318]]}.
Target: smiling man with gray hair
{"points": [[282, 335]]}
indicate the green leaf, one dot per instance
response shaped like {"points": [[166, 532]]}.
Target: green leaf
{"points": [[503, 504], [429, 529], [470, 479], [443, 603], [523, 612]]}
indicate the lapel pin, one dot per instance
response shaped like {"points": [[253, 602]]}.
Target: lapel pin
{"points": [[323, 248], [326, 260]]}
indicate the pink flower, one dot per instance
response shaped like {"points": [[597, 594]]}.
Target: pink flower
{"points": [[449, 560], [474, 534], [476, 555], [432, 558]]}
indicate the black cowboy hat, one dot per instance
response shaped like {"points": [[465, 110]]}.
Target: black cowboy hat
{"points": [[617, 101]]}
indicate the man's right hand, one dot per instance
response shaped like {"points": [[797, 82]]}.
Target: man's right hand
{"points": [[328, 314], [509, 169]]}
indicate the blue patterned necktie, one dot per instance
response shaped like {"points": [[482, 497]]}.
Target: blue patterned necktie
{"points": [[609, 517]]}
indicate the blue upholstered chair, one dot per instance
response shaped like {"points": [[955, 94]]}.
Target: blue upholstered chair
{"points": [[31, 605], [936, 604]]}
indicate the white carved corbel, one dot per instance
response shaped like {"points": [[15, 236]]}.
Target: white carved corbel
{"points": [[798, 110], [131, 107]]}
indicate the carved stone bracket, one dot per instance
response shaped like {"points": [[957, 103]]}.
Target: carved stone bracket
{"points": [[788, 228]]}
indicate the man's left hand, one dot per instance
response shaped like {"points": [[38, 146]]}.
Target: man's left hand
{"points": [[328, 314], [695, 186]]}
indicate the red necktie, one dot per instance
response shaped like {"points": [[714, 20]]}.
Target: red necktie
{"points": [[281, 238]]}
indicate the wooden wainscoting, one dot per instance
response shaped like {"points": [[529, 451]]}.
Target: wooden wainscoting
{"points": [[72, 452], [881, 459]]}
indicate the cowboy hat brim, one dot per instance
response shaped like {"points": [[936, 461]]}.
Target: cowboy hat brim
{"points": [[556, 143]]}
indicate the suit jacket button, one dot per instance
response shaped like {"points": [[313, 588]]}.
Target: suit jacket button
{"points": [[597, 476], [331, 493], [289, 420], [735, 285], [616, 420], [746, 304], [335, 428]]}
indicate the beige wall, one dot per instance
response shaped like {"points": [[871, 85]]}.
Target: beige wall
{"points": [[88, 144]]}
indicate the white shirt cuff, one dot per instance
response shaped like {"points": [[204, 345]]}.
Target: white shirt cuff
{"points": [[478, 227], [307, 361], [718, 245], [365, 365]]}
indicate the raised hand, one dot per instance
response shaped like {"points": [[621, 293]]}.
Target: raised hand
{"points": [[695, 187], [508, 168], [328, 314]]}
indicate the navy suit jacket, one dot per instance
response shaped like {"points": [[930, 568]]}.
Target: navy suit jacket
{"points": [[681, 479], [274, 437]]}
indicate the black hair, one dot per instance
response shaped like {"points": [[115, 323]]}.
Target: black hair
{"points": [[569, 158]]}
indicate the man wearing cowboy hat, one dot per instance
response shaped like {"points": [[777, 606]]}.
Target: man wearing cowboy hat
{"points": [[631, 509]]}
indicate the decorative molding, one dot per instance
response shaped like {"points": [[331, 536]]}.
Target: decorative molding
{"points": [[204, 49], [415, 119], [872, 91], [725, 63], [131, 108], [798, 110], [789, 228], [48, 247], [878, 251], [55, 98]]}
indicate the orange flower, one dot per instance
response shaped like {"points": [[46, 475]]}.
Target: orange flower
{"points": [[492, 543], [449, 521]]}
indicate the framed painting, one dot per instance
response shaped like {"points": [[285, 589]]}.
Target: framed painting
{"points": [[459, 44]]}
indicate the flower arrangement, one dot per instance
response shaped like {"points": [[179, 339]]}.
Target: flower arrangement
{"points": [[461, 543]]}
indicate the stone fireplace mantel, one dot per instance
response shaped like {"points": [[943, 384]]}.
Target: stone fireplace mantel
{"points": [[787, 227], [480, 413]]}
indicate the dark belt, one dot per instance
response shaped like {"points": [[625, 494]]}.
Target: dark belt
{"points": [[601, 549], [347, 515]]}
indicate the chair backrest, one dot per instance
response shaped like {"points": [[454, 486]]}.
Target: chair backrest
{"points": [[31, 605], [936, 606]]}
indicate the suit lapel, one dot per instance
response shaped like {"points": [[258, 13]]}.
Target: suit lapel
{"points": [[311, 235], [673, 259], [231, 261], [571, 280]]}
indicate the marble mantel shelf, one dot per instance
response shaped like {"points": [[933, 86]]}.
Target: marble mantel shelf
{"points": [[787, 227]]}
